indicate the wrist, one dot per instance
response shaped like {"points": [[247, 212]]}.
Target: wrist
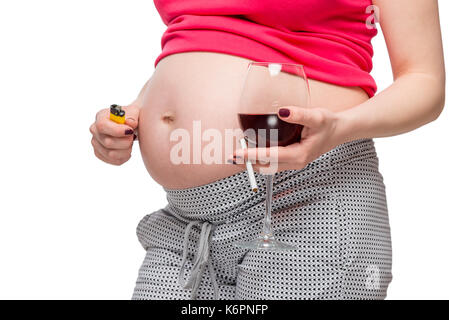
{"points": [[347, 125]]}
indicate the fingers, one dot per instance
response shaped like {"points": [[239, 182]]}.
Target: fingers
{"points": [[266, 155], [132, 116], [107, 127], [110, 142], [113, 142], [274, 159], [112, 156], [309, 117], [100, 156]]}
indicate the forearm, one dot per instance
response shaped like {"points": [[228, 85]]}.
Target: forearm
{"points": [[413, 100]]}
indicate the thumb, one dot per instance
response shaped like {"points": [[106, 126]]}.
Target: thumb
{"points": [[309, 117], [132, 115]]}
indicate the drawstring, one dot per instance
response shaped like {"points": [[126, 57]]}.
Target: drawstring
{"points": [[200, 262]]}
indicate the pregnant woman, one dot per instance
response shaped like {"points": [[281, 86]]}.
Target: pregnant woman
{"points": [[328, 196]]}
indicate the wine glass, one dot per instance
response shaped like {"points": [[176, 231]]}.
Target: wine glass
{"points": [[268, 86]]}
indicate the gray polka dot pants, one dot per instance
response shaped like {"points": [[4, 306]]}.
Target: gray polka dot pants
{"points": [[334, 211]]}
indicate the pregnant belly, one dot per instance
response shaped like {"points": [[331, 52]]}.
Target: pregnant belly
{"points": [[188, 118]]}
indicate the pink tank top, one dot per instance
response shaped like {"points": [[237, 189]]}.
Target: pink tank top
{"points": [[331, 38]]}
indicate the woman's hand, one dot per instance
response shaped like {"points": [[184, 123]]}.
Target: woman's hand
{"points": [[113, 142], [320, 134]]}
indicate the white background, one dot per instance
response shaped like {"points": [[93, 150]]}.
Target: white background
{"points": [[67, 220]]}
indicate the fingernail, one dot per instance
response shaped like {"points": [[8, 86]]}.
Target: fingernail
{"points": [[284, 113], [129, 132]]}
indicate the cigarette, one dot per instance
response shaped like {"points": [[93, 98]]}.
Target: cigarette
{"points": [[249, 169]]}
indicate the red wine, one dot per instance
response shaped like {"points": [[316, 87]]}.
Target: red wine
{"points": [[287, 133]]}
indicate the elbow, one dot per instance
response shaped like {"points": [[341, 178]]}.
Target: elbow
{"points": [[439, 100], [439, 105]]}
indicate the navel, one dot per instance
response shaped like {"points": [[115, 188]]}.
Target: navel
{"points": [[168, 117]]}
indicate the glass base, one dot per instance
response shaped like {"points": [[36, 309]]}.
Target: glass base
{"points": [[264, 244]]}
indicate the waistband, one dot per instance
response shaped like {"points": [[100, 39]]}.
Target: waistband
{"points": [[228, 196]]}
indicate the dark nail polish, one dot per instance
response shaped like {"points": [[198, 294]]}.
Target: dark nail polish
{"points": [[284, 113], [129, 132], [135, 137]]}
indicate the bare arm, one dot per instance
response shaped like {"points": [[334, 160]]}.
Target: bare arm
{"points": [[413, 36]]}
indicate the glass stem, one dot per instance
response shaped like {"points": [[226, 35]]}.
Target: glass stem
{"points": [[267, 231]]}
